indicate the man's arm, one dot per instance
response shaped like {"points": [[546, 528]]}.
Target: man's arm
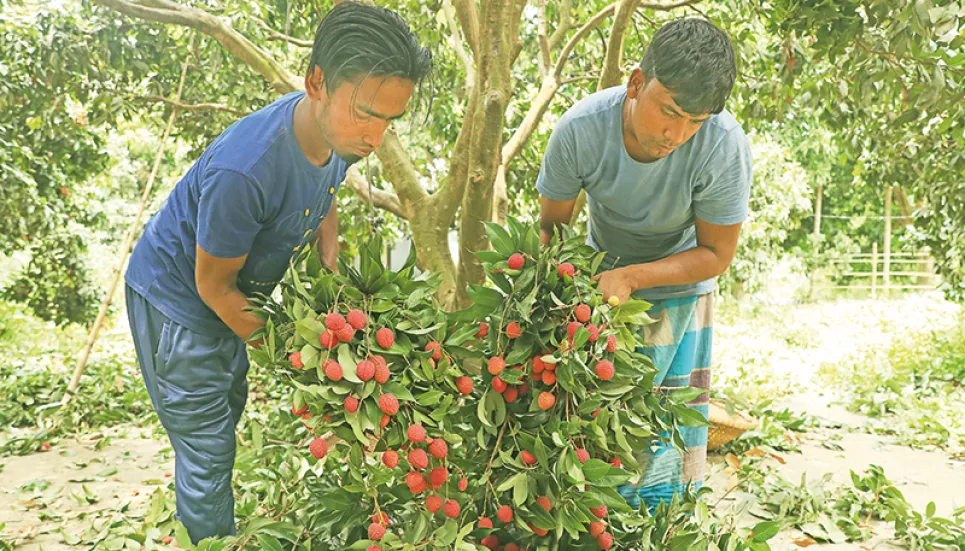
{"points": [[553, 214], [216, 279], [326, 239], [714, 252]]}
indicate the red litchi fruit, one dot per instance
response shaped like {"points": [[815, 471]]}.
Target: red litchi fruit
{"points": [[414, 480], [416, 433], [434, 503], [528, 459], [390, 458], [546, 400], [599, 512], [463, 484], [582, 313], [549, 378], [499, 385], [582, 455], [418, 459], [382, 373], [385, 337], [318, 448], [328, 340], [496, 365], [299, 412], [566, 269], [511, 394], [544, 502], [538, 531], [572, 327], [451, 508], [505, 513], [513, 330], [511, 547], [376, 531], [594, 332], [380, 518], [538, 365], [611, 343], [384, 421], [464, 384], [597, 528], [516, 261], [333, 370], [490, 542], [438, 476], [334, 321], [296, 360], [351, 404], [356, 318], [365, 370], [389, 404], [345, 334], [483, 330], [605, 540], [436, 350], [438, 448], [485, 522], [604, 369]]}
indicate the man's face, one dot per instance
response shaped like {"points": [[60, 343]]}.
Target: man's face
{"points": [[657, 125], [354, 117]]}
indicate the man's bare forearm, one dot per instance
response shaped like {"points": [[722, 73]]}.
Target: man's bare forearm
{"points": [[230, 305], [684, 268]]}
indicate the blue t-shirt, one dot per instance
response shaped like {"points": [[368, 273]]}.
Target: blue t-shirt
{"points": [[643, 212], [252, 192]]}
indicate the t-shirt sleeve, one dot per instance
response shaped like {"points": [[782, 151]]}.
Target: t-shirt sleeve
{"points": [[230, 213], [723, 190], [558, 177]]}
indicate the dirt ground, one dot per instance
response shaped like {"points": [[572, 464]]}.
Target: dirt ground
{"points": [[43, 501]]}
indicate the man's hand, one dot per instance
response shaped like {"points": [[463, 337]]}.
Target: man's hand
{"points": [[615, 283]]}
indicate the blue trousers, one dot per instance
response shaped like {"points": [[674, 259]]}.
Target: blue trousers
{"points": [[198, 385]]}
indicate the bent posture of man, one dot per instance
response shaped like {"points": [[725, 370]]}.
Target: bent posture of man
{"points": [[259, 194], [667, 174]]}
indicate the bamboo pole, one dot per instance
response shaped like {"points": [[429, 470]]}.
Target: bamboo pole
{"points": [[124, 251], [874, 270], [887, 266]]}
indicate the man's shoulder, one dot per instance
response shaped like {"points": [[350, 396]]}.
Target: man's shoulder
{"points": [[597, 108], [254, 139], [722, 127]]}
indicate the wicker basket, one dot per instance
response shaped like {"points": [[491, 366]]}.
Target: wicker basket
{"points": [[724, 427]]}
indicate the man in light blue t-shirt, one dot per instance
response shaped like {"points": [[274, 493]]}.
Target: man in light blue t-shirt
{"points": [[667, 174]]}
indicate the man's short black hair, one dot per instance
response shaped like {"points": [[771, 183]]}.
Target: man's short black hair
{"points": [[694, 60], [355, 40]]}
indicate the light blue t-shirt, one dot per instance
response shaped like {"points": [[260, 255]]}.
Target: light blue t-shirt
{"points": [[252, 192], [643, 212]]}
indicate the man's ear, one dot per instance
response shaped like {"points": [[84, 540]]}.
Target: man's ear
{"points": [[637, 83], [315, 83]]}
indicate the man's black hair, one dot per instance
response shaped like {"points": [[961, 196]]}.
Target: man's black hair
{"points": [[356, 40], [694, 60]]}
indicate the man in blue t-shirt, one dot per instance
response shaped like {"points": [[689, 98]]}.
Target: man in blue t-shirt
{"points": [[667, 175], [258, 195]]}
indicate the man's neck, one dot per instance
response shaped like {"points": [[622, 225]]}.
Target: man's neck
{"points": [[307, 135]]}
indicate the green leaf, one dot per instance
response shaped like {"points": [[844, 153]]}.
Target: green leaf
{"points": [[520, 489], [256, 437], [347, 360], [309, 329], [500, 239], [689, 417], [766, 530], [268, 543], [604, 474], [485, 297], [632, 312], [509, 482], [398, 390], [182, 537]]}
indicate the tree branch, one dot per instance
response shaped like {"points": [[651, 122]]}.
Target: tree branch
{"points": [[575, 39], [275, 35], [545, 61], [469, 19], [564, 26], [219, 29], [376, 197], [400, 171], [666, 7], [180, 105], [612, 71], [457, 43]]}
